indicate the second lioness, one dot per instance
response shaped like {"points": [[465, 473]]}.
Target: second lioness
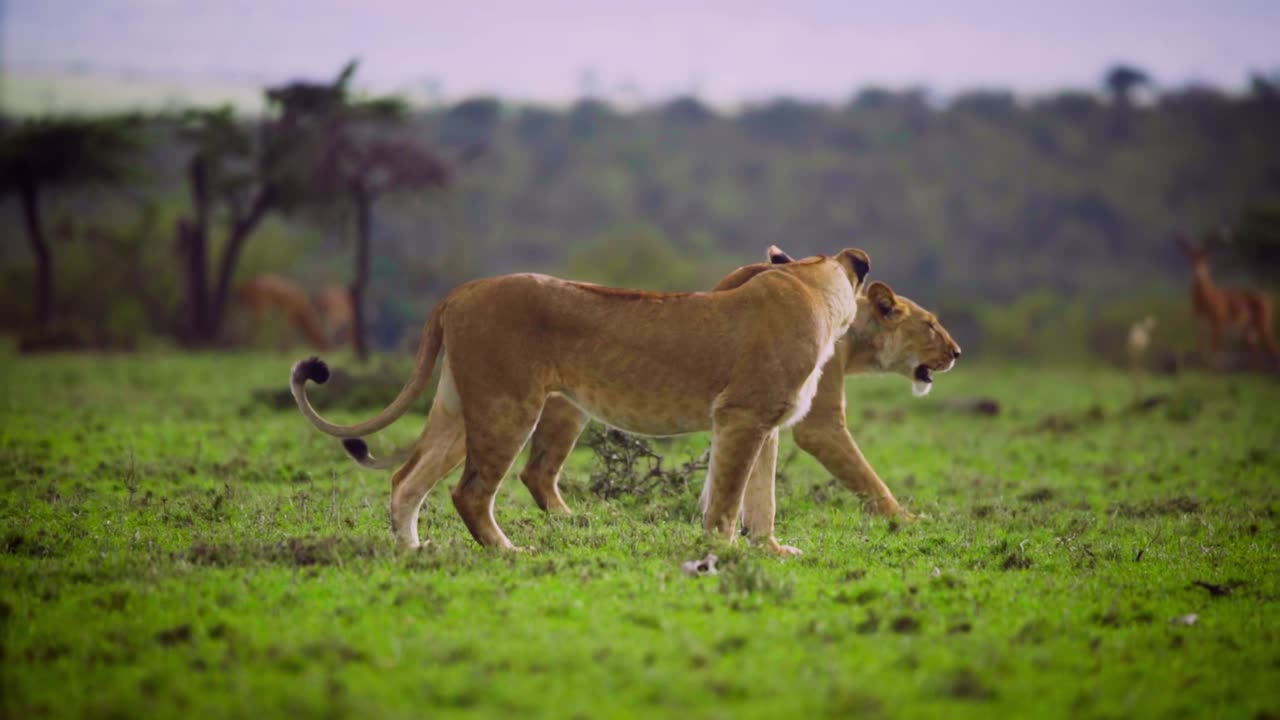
{"points": [[739, 363], [890, 334]]}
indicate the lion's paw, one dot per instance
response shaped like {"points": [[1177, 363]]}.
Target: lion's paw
{"points": [[783, 550]]}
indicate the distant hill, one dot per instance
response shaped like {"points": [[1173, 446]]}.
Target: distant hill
{"points": [[89, 92]]}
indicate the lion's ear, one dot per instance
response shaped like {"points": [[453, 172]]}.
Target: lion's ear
{"points": [[777, 256], [882, 299], [856, 260]]}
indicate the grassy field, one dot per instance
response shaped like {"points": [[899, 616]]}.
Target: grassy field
{"points": [[170, 548]]}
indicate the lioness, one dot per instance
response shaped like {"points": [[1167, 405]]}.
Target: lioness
{"points": [[890, 334], [740, 363]]}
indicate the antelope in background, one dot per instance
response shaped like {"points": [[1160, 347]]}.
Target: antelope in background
{"points": [[334, 304], [1219, 309], [325, 322], [270, 293], [1138, 344]]}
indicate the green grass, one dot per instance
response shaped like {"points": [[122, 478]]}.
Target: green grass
{"points": [[170, 549]]}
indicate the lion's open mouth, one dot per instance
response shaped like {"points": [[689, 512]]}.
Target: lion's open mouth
{"points": [[922, 381]]}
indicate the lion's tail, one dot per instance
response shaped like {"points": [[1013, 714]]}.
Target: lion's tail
{"points": [[359, 451], [315, 370]]}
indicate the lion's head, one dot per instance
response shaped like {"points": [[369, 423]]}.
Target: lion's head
{"points": [[902, 337]]}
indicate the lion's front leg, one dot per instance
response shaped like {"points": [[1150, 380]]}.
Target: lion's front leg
{"points": [[822, 434], [834, 447], [760, 502], [737, 437]]}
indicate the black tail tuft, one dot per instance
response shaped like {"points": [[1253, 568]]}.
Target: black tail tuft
{"points": [[313, 369], [356, 448]]}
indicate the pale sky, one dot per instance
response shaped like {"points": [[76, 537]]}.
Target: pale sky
{"points": [[728, 52]]}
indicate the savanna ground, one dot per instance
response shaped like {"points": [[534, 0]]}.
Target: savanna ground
{"points": [[170, 547]]}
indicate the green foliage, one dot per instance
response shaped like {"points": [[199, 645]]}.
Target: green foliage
{"points": [[1256, 234], [634, 258], [67, 151], [471, 121], [981, 202], [1121, 80], [166, 548]]}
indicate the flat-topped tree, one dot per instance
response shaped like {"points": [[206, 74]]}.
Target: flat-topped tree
{"points": [[333, 147], [52, 154], [1121, 82], [305, 152]]}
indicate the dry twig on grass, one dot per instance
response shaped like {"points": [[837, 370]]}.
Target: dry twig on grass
{"points": [[627, 465]]}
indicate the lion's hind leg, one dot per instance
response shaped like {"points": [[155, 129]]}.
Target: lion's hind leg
{"points": [[497, 429], [437, 453]]}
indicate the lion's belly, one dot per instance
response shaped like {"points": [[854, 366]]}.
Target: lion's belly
{"points": [[645, 413]]}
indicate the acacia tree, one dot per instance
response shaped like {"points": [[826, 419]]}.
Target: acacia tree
{"points": [[225, 180], [39, 156], [1120, 82], [333, 147]]}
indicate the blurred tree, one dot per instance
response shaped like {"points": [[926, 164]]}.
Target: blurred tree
{"points": [[127, 245], [1256, 237], [790, 121], [333, 147], [46, 154], [872, 98], [380, 168], [990, 104], [471, 122], [590, 117], [1121, 80], [687, 110], [227, 175], [536, 124], [1074, 106], [1265, 87], [1202, 106], [634, 258], [953, 203]]}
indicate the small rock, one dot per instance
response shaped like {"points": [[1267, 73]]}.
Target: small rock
{"points": [[698, 568], [1189, 619]]}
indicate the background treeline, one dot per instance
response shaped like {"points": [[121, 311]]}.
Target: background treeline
{"points": [[1036, 226]]}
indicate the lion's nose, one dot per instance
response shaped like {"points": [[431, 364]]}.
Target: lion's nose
{"points": [[955, 352]]}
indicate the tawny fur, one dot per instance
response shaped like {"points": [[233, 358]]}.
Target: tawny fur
{"points": [[896, 340], [733, 362]]}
